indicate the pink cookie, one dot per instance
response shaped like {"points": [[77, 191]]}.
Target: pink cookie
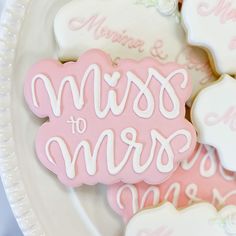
{"points": [[110, 123], [200, 178]]}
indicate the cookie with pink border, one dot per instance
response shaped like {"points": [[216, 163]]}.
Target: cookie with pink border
{"points": [[199, 219], [110, 123], [79, 26], [201, 178], [212, 24]]}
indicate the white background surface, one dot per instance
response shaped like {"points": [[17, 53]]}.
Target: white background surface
{"points": [[8, 226]]}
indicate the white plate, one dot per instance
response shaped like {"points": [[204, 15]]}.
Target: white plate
{"points": [[41, 204]]}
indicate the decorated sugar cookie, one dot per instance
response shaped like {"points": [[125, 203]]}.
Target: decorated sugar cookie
{"points": [[200, 219], [214, 116], [110, 123], [201, 178], [212, 24], [146, 28]]}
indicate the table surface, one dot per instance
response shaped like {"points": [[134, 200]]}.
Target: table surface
{"points": [[8, 225]]}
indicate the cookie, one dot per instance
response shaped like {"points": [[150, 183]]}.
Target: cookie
{"points": [[201, 178], [211, 24], [214, 116], [146, 28], [199, 219], [110, 123]]}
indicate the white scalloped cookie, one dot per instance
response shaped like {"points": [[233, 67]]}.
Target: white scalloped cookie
{"points": [[214, 117], [212, 24], [130, 29], [200, 219]]}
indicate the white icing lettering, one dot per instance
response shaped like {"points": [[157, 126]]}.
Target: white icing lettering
{"points": [[77, 125], [128, 136], [151, 191], [166, 92]]}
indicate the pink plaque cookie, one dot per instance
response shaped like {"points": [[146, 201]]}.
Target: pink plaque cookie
{"points": [[110, 123], [200, 178]]}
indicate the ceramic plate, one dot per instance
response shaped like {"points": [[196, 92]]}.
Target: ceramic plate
{"points": [[42, 206]]}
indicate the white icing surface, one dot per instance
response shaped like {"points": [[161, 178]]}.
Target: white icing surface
{"points": [[199, 219], [215, 120], [210, 24]]}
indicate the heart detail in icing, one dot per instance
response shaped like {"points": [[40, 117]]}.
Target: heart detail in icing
{"points": [[113, 79]]}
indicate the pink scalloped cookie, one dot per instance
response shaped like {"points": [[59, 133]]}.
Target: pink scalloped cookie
{"points": [[201, 178], [110, 123]]}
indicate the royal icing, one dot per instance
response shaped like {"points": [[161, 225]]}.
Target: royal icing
{"points": [[110, 123], [130, 36], [212, 25], [167, 8], [215, 120], [199, 219], [186, 186]]}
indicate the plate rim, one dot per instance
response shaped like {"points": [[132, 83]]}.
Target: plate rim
{"points": [[9, 168]]}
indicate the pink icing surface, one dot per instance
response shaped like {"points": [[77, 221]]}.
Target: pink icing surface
{"points": [[83, 101], [201, 178]]}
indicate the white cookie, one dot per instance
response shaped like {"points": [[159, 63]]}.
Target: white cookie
{"points": [[214, 117], [130, 29], [212, 24], [200, 219]]}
